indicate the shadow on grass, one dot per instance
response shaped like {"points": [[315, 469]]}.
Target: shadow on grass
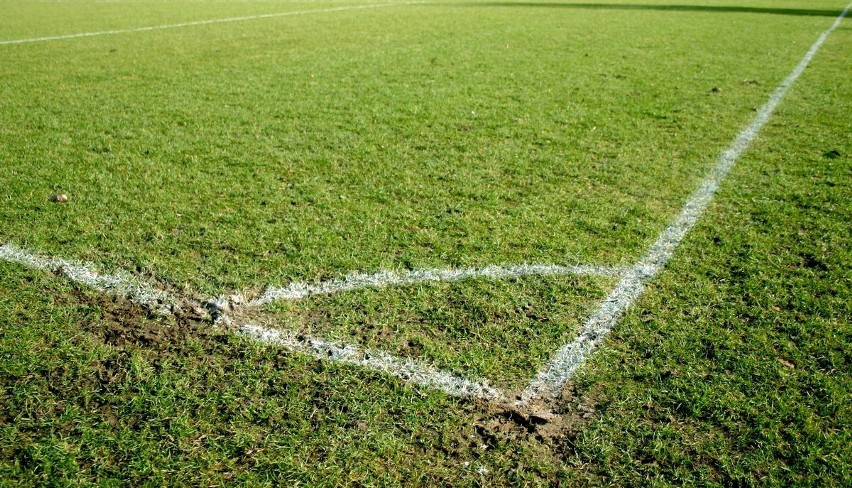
{"points": [[665, 8]]}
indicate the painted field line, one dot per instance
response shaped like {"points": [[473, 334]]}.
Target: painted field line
{"points": [[202, 22], [355, 281], [551, 379], [137, 291], [407, 369], [120, 283]]}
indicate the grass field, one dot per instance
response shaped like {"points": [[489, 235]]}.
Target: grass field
{"points": [[245, 152]]}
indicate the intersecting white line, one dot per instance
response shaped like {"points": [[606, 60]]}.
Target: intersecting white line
{"points": [[201, 22], [138, 291], [551, 379], [355, 281]]}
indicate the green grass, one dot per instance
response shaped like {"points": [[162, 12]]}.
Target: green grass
{"points": [[735, 366], [26, 19], [474, 328], [229, 156], [234, 155]]}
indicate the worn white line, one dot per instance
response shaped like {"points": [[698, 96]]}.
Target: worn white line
{"points": [[123, 284], [382, 279], [136, 290], [551, 379], [201, 22], [405, 368], [117, 284], [141, 293]]}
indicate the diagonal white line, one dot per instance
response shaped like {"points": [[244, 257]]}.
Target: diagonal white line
{"points": [[117, 284], [551, 379], [405, 368], [201, 22], [381, 279]]}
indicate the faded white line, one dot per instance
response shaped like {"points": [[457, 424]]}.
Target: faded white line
{"points": [[201, 22], [551, 379], [118, 284], [382, 279], [405, 368]]}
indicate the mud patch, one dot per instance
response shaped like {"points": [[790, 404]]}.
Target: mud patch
{"points": [[126, 325], [548, 423]]}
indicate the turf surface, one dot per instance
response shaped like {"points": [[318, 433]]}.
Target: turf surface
{"points": [[225, 157]]}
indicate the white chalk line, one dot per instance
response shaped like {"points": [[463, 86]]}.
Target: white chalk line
{"points": [[137, 291], [561, 367], [118, 284], [407, 369], [381, 279], [202, 22]]}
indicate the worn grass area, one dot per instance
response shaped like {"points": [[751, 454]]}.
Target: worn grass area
{"points": [[226, 157], [92, 392]]}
